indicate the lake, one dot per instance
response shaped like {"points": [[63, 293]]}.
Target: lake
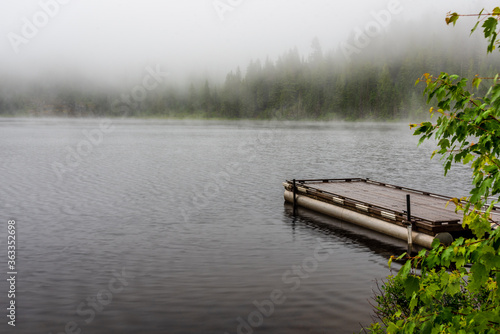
{"points": [[163, 226]]}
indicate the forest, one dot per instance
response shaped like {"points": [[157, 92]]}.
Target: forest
{"points": [[377, 82]]}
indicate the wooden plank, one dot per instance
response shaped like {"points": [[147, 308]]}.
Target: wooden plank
{"points": [[424, 206], [430, 212]]}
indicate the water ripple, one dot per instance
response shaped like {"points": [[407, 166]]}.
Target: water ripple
{"points": [[194, 212]]}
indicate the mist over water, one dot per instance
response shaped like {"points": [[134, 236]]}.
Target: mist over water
{"points": [[233, 60], [190, 215], [139, 223], [112, 42]]}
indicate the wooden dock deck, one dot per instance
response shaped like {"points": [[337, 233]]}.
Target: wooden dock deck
{"points": [[430, 213]]}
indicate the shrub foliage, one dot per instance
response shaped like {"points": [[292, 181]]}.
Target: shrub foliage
{"points": [[454, 289]]}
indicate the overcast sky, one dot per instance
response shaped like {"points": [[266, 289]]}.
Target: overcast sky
{"points": [[110, 39]]}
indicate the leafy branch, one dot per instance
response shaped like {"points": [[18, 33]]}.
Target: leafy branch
{"points": [[456, 289]]}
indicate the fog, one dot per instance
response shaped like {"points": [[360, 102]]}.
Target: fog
{"points": [[111, 42]]}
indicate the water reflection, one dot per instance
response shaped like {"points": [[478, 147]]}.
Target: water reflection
{"points": [[375, 242]]}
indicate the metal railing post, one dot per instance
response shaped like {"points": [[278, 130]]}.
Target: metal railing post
{"points": [[294, 198], [409, 226]]}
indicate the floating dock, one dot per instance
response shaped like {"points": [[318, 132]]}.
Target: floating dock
{"points": [[408, 214]]}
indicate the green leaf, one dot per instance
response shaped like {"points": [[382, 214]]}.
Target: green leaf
{"points": [[392, 328], [476, 81], [410, 327], [453, 287], [452, 18], [460, 261], [468, 158], [413, 301], [411, 284], [427, 327], [479, 275], [405, 270], [445, 278], [490, 33], [475, 27], [435, 243], [446, 256], [495, 93]]}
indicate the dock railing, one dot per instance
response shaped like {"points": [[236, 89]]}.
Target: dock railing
{"points": [[388, 214]]}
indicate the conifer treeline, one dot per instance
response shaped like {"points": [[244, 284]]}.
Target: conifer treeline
{"points": [[378, 82]]}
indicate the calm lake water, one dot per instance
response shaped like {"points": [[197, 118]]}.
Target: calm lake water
{"points": [[135, 226]]}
